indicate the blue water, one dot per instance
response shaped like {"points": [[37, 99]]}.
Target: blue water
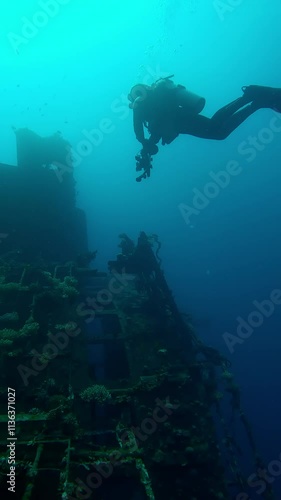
{"points": [[73, 72]]}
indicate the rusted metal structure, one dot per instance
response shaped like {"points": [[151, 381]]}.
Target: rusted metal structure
{"points": [[116, 397]]}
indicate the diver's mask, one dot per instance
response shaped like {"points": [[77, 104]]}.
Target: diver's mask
{"points": [[138, 94]]}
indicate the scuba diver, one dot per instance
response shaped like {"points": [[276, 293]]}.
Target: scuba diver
{"points": [[167, 110]]}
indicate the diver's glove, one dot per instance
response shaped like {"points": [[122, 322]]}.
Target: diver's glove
{"points": [[149, 147]]}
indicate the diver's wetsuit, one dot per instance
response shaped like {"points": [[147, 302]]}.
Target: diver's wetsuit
{"points": [[165, 118], [221, 125]]}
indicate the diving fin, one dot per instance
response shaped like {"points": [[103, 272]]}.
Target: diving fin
{"points": [[265, 97]]}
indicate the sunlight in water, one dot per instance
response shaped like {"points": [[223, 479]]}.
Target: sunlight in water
{"points": [[63, 27]]}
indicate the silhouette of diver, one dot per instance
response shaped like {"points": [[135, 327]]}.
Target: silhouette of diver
{"points": [[167, 110]]}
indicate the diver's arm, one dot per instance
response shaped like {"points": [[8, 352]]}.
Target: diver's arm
{"points": [[149, 145], [138, 125]]}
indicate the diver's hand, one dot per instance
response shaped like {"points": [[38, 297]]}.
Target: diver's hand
{"points": [[148, 147]]}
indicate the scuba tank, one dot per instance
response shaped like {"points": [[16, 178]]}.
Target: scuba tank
{"points": [[190, 101], [183, 98]]}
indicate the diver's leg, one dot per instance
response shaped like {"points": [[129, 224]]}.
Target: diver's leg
{"points": [[218, 127], [196, 125], [261, 97], [210, 128], [226, 128], [228, 118], [231, 108]]}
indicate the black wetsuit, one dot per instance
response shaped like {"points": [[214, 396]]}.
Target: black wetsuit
{"points": [[165, 117], [222, 123]]}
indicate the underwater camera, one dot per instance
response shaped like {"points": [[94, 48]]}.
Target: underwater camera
{"points": [[144, 162]]}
